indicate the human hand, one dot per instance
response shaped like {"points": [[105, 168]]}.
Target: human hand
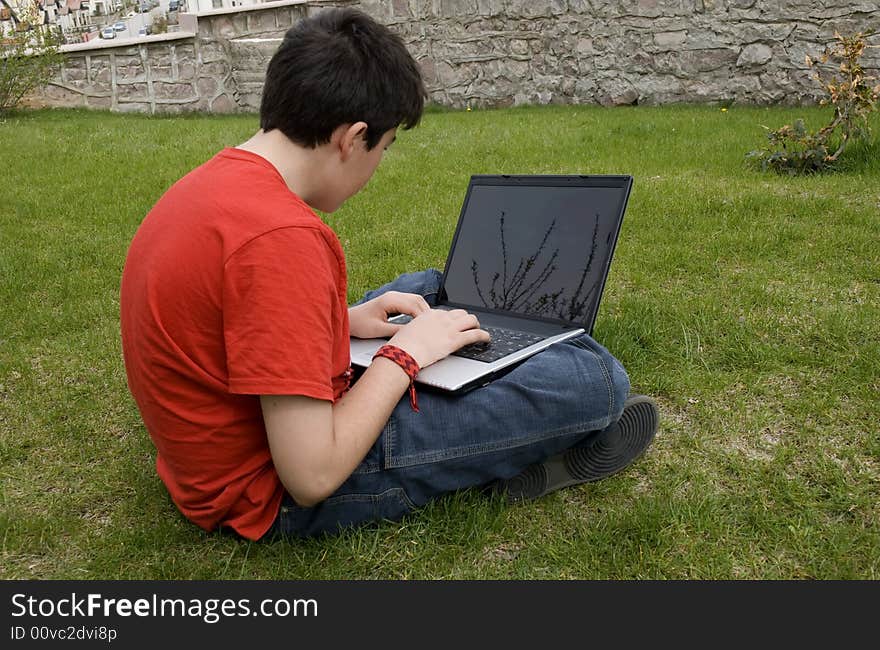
{"points": [[436, 333], [370, 319]]}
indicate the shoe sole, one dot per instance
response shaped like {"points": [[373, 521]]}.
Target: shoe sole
{"points": [[606, 455]]}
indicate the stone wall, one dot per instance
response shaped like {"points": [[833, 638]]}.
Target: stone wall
{"points": [[502, 52], [494, 53], [213, 62]]}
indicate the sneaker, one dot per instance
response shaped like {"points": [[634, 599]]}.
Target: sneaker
{"points": [[607, 453]]}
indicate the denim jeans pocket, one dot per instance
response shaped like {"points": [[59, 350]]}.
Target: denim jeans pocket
{"points": [[372, 462]]}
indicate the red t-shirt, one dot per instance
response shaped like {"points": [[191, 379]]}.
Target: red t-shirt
{"points": [[233, 288]]}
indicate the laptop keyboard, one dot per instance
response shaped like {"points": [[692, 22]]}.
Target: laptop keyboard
{"points": [[504, 342]]}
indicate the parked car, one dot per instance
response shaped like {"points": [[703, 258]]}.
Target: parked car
{"points": [[145, 31], [173, 5], [108, 32], [120, 26]]}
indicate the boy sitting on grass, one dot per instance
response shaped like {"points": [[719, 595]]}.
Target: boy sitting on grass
{"points": [[235, 329]]}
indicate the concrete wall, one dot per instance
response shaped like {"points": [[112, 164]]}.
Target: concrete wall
{"points": [[494, 53]]}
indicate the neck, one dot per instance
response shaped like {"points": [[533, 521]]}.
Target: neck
{"points": [[300, 167]]}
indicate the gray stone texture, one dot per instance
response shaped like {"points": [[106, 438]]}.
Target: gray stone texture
{"points": [[500, 53]]}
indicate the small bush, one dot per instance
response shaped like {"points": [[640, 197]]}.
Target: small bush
{"points": [[160, 25], [28, 60], [793, 149]]}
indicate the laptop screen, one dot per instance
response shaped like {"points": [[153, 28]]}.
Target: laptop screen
{"points": [[536, 246]]}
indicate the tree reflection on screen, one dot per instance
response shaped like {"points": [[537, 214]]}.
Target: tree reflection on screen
{"points": [[520, 288]]}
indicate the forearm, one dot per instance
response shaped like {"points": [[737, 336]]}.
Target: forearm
{"points": [[316, 446], [361, 414]]}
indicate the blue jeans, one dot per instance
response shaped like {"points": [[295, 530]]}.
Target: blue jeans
{"points": [[553, 401]]}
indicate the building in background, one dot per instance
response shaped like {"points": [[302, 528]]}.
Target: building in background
{"points": [[199, 6]]}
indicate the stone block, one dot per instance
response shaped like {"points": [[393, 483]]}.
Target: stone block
{"points": [[704, 38], [580, 6], [649, 8], [177, 91], [100, 71], [211, 52], [223, 28], [249, 101], [754, 54], [207, 87], [129, 68], [378, 9], [186, 71], [223, 104], [515, 71], [690, 62], [402, 9], [132, 92], [218, 69], [74, 74], [744, 87], [130, 74], [585, 88], [99, 102], [99, 89], [670, 40], [617, 92], [489, 7], [176, 108], [60, 96], [533, 8], [161, 74], [203, 105], [641, 62], [206, 30], [660, 88], [645, 23], [250, 54], [428, 69], [260, 22], [760, 31], [253, 77], [457, 8], [159, 61], [134, 107]]}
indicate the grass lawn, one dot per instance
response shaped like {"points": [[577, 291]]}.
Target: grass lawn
{"points": [[748, 304]]}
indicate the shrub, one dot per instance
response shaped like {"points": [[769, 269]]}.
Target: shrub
{"points": [[160, 25], [793, 149], [28, 59]]}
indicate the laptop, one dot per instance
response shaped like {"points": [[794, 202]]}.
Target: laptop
{"points": [[530, 257]]}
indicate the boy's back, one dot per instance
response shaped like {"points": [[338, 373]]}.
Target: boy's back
{"points": [[193, 309]]}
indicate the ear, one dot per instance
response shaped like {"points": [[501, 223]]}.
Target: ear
{"points": [[346, 137]]}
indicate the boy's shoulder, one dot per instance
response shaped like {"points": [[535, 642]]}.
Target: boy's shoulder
{"points": [[238, 190], [230, 201]]}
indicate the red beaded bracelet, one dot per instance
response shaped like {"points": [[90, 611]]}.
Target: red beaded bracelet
{"points": [[409, 366]]}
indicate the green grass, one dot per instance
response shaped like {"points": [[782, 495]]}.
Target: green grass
{"points": [[747, 303]]}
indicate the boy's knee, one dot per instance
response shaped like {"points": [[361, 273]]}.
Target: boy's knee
{"points": [[612, 372], [620, 385], [426, 283]]}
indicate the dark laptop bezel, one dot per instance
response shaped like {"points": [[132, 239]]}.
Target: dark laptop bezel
{"points": [[624, 182]]}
